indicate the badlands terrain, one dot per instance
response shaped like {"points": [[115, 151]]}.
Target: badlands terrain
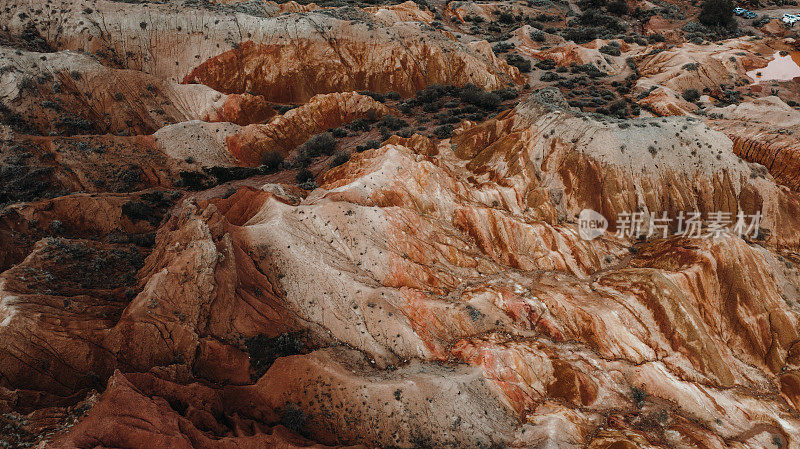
{"points": [[247, 224]]}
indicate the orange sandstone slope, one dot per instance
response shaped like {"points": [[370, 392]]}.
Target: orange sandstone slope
{"points": [[226, 144], [431, 292], [442, 300], [50, 90], [763, 132], [336, 55], [283, 57], [286, 132]]}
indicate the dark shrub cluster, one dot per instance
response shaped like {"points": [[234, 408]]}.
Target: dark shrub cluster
{"points": [[538, 36], [272, 161], [319, 144], [304, 175], [519, 62], [264, 350], [691, 95], [717, 13], [612, 48], [368, 145], [339, 159], [475, 96]]}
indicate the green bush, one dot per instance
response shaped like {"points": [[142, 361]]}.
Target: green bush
{"points": [[546, 64], [368, 145], [596, 18], [506, 18], [393, 95], [485, 100], [272, 160], [359, 124], [392, 122], [339, 132], [443, 132], [549, 77], [432, 93], [612, 50], [519, 62], [618, 108], [582, 34], [717, 13], [339, 159], [691, 95], [538, 36], [323, 143], [502, 47], [304, 175], [506, 94], [374, 95]]}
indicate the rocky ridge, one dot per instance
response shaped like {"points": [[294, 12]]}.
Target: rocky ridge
{"points": [[336, 226]]}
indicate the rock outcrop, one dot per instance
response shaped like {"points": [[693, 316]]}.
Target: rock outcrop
{"points": [[446, 282], [185, 265], [73, 93], [762, 131], [665, 102], [691, 66], [286, 132], [363, 58]]}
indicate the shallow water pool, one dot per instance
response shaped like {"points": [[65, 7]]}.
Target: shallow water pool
{"points": [[781, 68]]}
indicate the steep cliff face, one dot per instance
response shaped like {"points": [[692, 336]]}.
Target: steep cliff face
{"points": [[72, 93], [781, 159], [322, 54], [766, 142], [347, 48], [660, 164], [286, 132]]}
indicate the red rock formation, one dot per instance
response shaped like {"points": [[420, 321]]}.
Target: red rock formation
{"points": [[659, 25], [284, 133], [489, 11], [242, 109], [432, 292], [368, 54], [88, 163], [75, 87], [225, 144], [653, 165], [407, 11], [769, 143], [665, 102], [354, 66], [96, 217], [137, 411], [570, 53], [782, 160], [690, 66]]}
